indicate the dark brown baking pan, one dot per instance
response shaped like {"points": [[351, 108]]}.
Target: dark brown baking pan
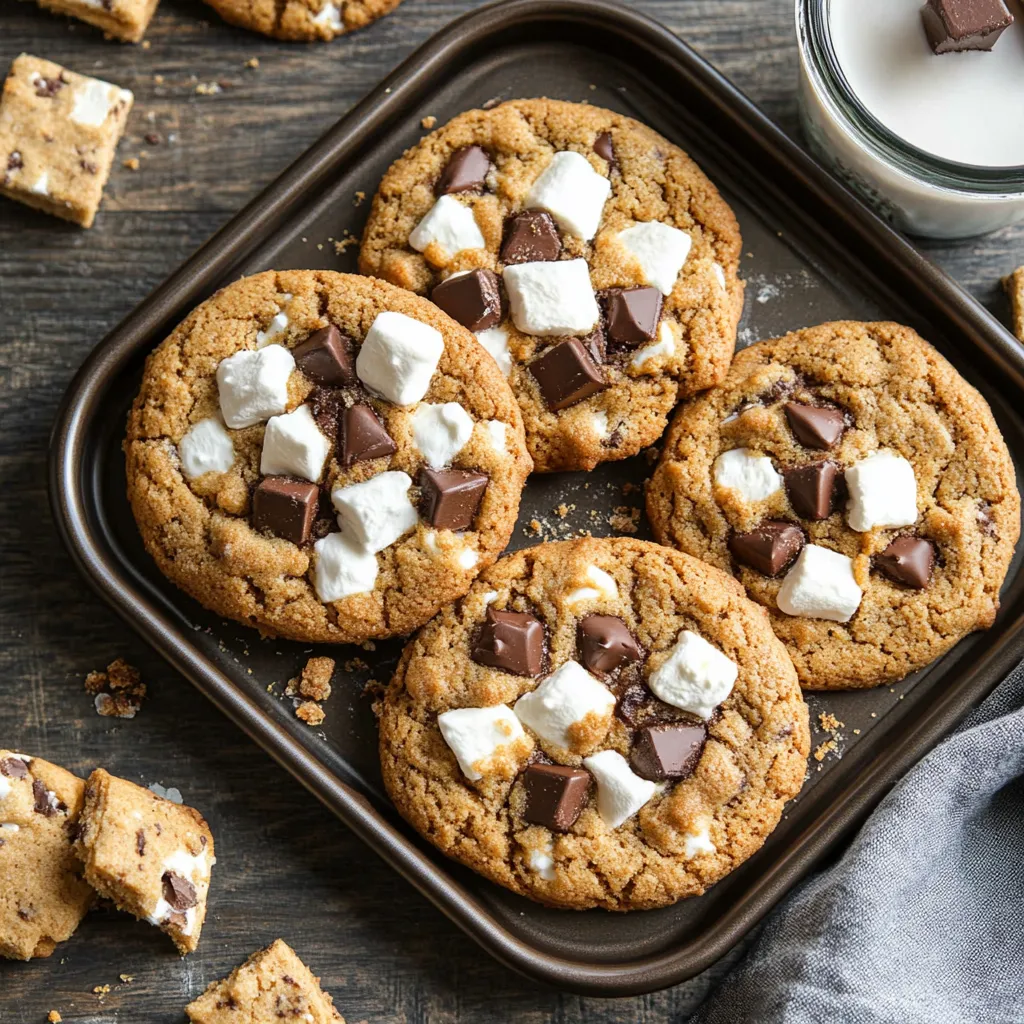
{"points": [[812, 253]]}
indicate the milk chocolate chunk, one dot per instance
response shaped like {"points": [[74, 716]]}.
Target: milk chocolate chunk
{"points": [[632, 315], [810, 489], [511, 641], [606, 643], [474, 299], [769, 548], [815, 426], [555, 795], [908, 560], [668, 751], [285, 507], [326, 357], [451, 497], [465, 171], [179, 892], [13, 768], [531, 237], [957, 25], [605, 149], [362, 436], [566, 374]]}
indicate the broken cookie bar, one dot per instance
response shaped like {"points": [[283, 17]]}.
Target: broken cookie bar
{"points": [[58, 134], [126, 20], [42, 893], [1014, 285], [272, 984], [150, 856]]}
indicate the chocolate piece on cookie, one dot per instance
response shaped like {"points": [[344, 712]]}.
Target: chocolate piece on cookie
{"points": [[555, 795], [512, 642], [606, 643], [908, 560], [474, 299], [531, 237], [326, 358], [452, 497], [567, 374], [285, 508], [769, 548], [670, 750]]}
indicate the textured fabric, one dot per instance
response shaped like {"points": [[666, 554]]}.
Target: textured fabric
{"points": [[923, 918]]}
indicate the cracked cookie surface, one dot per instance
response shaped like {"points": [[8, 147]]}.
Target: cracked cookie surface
{"points": [[680, 833], [302, 20]]}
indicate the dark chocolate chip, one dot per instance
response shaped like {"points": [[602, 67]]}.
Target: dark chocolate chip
{"points": [[632, 315], [815, 426], [14, 767], [153, 138], [465, 171], [605, 149], [908, 560], [531, 237], [451, 497], [474, 299], [48, 87], [566, 374], [555, 795], [15, 161], [362, 436], [285, 507], [326, 357], [606, 643], [74, 830], [511, 641], [140, 842], [596, 344], [89, 167], [633, 701], [985, 521], [769, 548], [179, 892], [668, 751], [956, 25], [810, 489], [41, 799]]}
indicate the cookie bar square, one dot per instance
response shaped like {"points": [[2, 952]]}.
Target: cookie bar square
{"points": [[150, 856], [272, 984], [58, 134], [42, 893], [1014, 285], [123, 19]]}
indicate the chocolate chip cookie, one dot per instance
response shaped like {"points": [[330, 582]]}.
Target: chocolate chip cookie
{"points": [[302, 20], [324, 457], [860, 490], [590, 256], [598, 723]]}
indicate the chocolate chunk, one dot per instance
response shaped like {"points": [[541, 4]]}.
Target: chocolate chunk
{"points": [[908, 560], [956, 25], [140, 842], [566, 374], [511, 641], [769, 548], [668, 751], [362, 436], [13, 767], [451, 497], [48, 87], [74, 830], [633, 702], [815, 426], [531, 237], [179, 892], [285, 507], [328, 406], [15, 161], [605, 643], [555, 795], [474, 299], [465, 171], [632, 315], [326, 357], [605, 149], [810, 489], [41, 797], [596, 344]]}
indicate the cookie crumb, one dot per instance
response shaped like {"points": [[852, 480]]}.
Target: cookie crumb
{"points": [[253, 62], [54, 1017], [314, 682], [118, 692], [209, 88], [428, 122], [310, 712], [146, 44], [355, 665], [101, 990], [132, 163], [153, 138], [625, 519], [827, 747], [158, 79], [345, 243], [126, 979], [360, 198], [829, 722]]}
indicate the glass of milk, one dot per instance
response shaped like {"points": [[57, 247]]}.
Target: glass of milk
{"points": [[934, 142]]}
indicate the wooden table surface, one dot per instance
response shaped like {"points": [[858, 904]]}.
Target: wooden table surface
{"points": [[286, 867]]}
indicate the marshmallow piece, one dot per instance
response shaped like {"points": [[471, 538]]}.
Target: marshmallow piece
{"points": [[467, 559], [599, 423], [206, 448], [342, 568], [664, 346], [821, 585], [495, 340], [398, 357], [572, 192], [550, 298], [42, 185], [277, 326], [719, 271], [543, 863], [378, 511], [94, 100], [565, 697], [603, 586], [697, 843], [294, 446], [661, 251], [451, 225], [197, 871], [330, 16], [696, 676], [752, 476], [497, 435], [253, 386], [5, 788], [440, 432], [475, 735], [883, 492], [620, 793]]}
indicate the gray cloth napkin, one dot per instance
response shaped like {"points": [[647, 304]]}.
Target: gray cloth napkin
{"points": [[922, 920]]}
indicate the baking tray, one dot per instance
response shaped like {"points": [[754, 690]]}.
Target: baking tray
{"points": [[812, 253]]}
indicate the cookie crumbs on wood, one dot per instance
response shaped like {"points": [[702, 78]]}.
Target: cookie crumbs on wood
{"points": [[1014, 285], [118, 692], [625, 519], [253, 62], [54, 1017]]}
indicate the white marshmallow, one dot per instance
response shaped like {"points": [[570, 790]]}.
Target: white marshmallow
{"points": [[495, 340], [376, 512], [253, 386], [572, 192], [9, 826], [475, 735], [719, 271], [42, 185], [5, 787], [620, 793], [399, 357], [342, 568], [548, 298], [277, 326], [497, 435], [195, 870], [696, 676], [599, 423], [451, 225], [664, 346], [883, 492], [565, 697], [821, 585], [752, 476], [698, 843], [206, 448], [661, 251], [467, 559], [294, 446], [603, 587], [543, 863], [330, 16], [441, 432], [94, 100]]}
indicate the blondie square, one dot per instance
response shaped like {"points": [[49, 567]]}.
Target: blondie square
{"points": [[123, 19]]}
